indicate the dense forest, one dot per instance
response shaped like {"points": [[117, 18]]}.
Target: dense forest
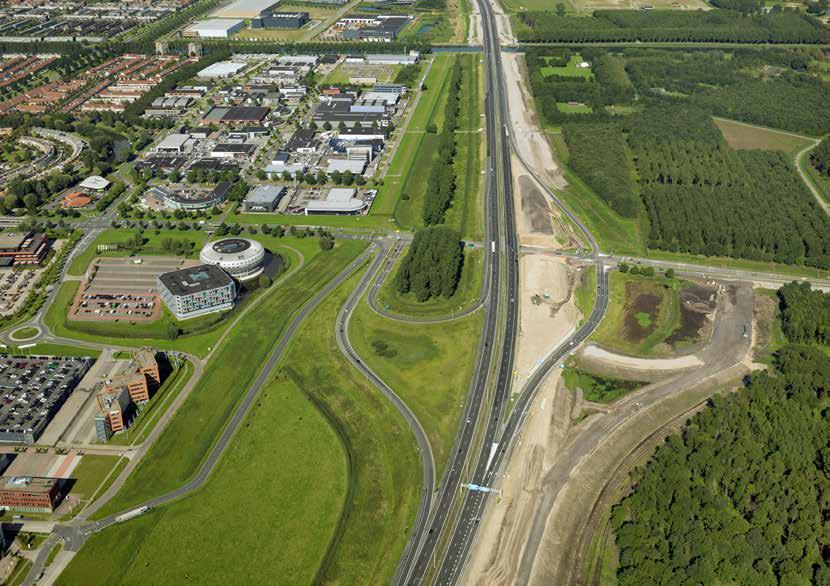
{"points": [[702, 197], [432, 266], [820, 157], [805, 313], [787, 26], [599, 155], [743, 495]]}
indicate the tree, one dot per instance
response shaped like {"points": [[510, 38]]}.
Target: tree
{"points": [[670, 273], [264, 281], [560, 9], [326, 242]]}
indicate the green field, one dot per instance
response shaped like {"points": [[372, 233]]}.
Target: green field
{"points": [[91, 473], [642, 313], [745, 136], [341, 520], [469, 287], [177, 454], [428, 365], [577, 108], [572, 69]]}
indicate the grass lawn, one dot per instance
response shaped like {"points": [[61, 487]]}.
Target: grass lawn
{"points": [[642, 313], [50, 349], [575, 108], [91, 472], [572, 69], [19, 573], [585, 294], [428, 365], [744, 136], [368, 222], [467, 292], [341, 520], [152, 246], [596, 388], [770, 336], [24, 333], [177, 454]]}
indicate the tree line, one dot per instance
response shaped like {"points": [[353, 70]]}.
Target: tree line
{"points": [[441, 180], [780, 26], [805, 313], [820, 157], [432, 267], [742, 496]]}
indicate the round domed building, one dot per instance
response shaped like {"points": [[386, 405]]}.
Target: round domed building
{"points": [[241, 258]]}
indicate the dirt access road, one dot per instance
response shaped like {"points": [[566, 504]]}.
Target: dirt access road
{"points": [[538, 532]]}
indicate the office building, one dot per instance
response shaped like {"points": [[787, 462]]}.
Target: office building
{"points": [[22, 248], [280, 20], [263, 198], [197, 291], [338, 201], [29, 493], [241, 258], [114, 408]]}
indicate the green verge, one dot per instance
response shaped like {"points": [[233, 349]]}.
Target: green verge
{"points": [[177, 454], [19, 573], [429, 366], [467, 292], [91, 472], [50, 349], [665, 317], [407, 172], [585, 293]]}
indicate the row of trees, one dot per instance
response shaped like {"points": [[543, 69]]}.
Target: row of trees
{"points": [[441, 180], [432, 266], [780, 26], [805, 313], [820, 157], [743, 495]]}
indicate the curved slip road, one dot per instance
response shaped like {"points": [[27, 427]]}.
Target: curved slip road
{"points": [[424, 448]]}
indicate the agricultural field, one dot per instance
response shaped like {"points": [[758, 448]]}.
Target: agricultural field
{"points": [[742, 136], [654, 316]]}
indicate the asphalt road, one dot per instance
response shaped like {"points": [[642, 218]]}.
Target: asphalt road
{"points": [[75, 534], [424, 448]]}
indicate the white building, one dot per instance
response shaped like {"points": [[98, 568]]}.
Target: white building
{"points": [[221, 69], [339, 201], [215, 28], [342, 165], [394, 58]]}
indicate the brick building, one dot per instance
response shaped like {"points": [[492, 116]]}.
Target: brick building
{"points": [[28, 493]]}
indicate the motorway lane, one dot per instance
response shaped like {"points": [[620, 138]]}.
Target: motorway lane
{"points": [[424, 447], [75, 534]]}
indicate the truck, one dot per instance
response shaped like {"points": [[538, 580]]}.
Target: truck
{"points": [[132, 514]]}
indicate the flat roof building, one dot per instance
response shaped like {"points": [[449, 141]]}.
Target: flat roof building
{"points": [[114, 406], [23, 248], [394, 58], [29, 493], [215, 28], [302, 141], [237, 114], [339, 201], [197, 291], [173, 144], [244, 9], [280, 20], [263, 198], [221, 69], [356, 167]]}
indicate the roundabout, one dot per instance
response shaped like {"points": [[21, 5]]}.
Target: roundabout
{"points": [[25, 334]]}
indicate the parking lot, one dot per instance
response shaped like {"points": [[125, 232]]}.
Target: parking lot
{"points": [[123, 288], [32, 389]]}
